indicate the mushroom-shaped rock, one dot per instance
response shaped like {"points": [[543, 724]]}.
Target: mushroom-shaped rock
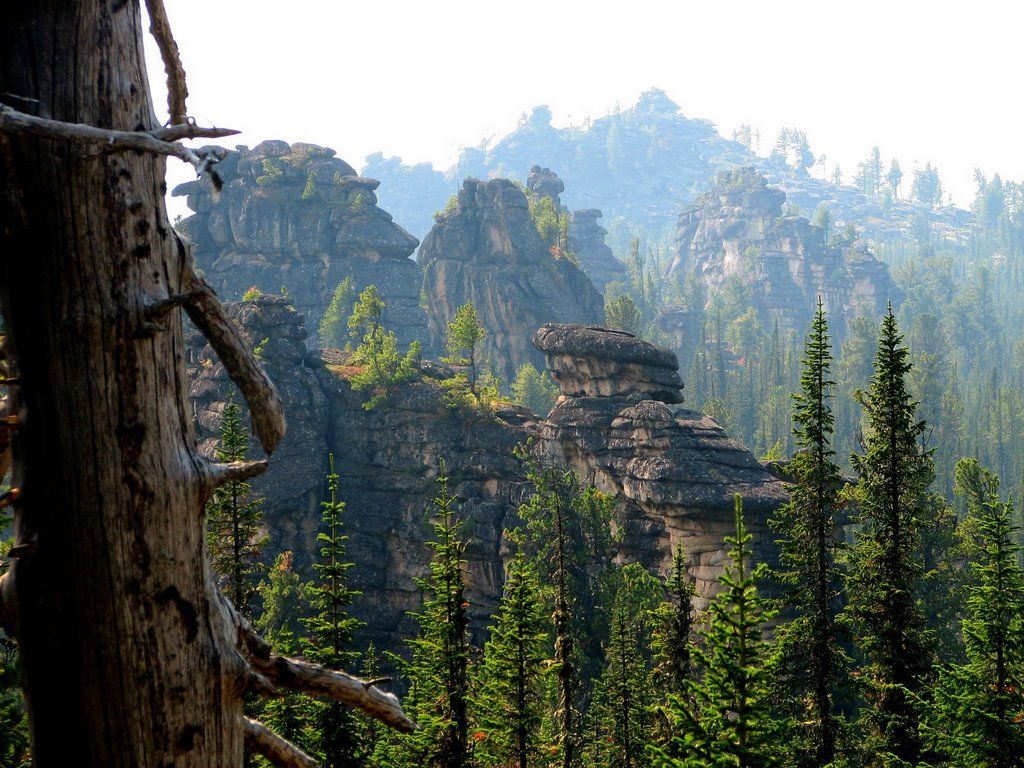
{"points": [[591, 361]]}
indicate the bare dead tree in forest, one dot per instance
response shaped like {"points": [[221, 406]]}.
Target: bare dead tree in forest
{"points": [[129, 655]]}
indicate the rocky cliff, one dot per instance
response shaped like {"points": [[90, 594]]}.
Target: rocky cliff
{"points": [[673, 473], [299, 218], [587, 241], [738, 230], [487, 249]]}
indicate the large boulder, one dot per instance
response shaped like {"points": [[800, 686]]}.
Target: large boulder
{"points": [[297, 218], [486, 249]]}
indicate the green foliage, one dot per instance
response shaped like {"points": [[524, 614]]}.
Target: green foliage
{"points": [[382, 366], [534, 389], [727, 721], [546, 217], [439, 670], [449, 207], [234, 516], [672, 643], [252, 294], [978, 716], [811, 666], [463, 343], [309, 190], [332, 630], [885, 563], [620, 312], [510, 682], [334, 324], [927, 186], [272, 173]]}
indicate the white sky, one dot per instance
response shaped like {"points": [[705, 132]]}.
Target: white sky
{"points": [[931, 81]]}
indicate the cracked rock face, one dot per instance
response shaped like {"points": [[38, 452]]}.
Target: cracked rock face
{"points": [[738, 230], [587, 241], [486, 249], [297, 218], [673, 473]]}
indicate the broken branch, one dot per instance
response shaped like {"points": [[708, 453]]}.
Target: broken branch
{"points": [[177, 90], [265, 408], [279, 751], [12, 121], [234, 472]]}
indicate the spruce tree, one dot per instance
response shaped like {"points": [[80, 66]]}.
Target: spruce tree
{"points": [[726, 722], [511, 680], [383, 367], [978, 717], [674, 622], [233, 518], [438, 673], [812, 664], [331, 630], [463, 340], [333, 325], [568, 529], [885, 563]]}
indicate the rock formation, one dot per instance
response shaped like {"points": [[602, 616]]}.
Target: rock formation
{"points": [[673, 473], [587, 241], [487, 249], [299, 218], [738, 230]]}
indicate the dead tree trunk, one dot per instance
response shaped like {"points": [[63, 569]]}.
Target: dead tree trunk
{"points": [[130, 657]]}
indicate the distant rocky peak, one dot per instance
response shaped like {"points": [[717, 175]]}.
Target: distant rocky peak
{"points": [[545, 182], [593, 361]]}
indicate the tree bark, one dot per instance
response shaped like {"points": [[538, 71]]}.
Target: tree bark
{"points": [[126, 660]]}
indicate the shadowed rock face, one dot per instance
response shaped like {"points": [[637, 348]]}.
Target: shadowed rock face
{"points": [[297, 217], [586, 240], [487, 250], [674, 474], [737, 229]]}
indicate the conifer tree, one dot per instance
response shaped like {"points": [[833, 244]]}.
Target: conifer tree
{"points": [[534, 389], [674, 622], [978, 717], [728, 723], [333, 325], [233, 518], [811, 663], [885, 563], [463, 340], [511, 680], [439, 670], [383, 366], [332, 630], [567, 529]]}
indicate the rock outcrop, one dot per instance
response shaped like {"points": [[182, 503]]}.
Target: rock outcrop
{"points": [[297, 217], [673, 474], [738, 230], [487, 249], [587, 241]]}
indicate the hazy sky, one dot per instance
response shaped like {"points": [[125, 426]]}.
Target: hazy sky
{"points": [[926, 81]]}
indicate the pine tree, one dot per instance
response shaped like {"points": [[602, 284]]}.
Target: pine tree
{"points": [[463, 340], [978, 717], [511, 680], [811, 663], [567, 529], [332, 630], [622, 713], [885, 563], [333, 325], [233, 518], [673, 641], [383, 367], [439, 671], [533, 389], [727, 721]]}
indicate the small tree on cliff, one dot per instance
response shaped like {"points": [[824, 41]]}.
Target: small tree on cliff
{"points": [[533, 389], [233, 518], [332, 630], [463, 340], [382, 366], [511, 680], [333, 325]]}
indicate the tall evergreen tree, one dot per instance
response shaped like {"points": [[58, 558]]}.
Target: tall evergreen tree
{"points": [[233, 518], [728, 723], [568, 530], [885, 563], [333, 325], [978, 718], [464, 337], [511, 680], [332, 629], [674, 625], [812, 664], [439, 670]]}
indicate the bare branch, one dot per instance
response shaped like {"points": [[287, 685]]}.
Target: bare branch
{"points": [[190, 131], [158, 310], [177, 90], [234, 472], [265, 407], [9, 497], [314, 680], [279, 751], [12, 121]]}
